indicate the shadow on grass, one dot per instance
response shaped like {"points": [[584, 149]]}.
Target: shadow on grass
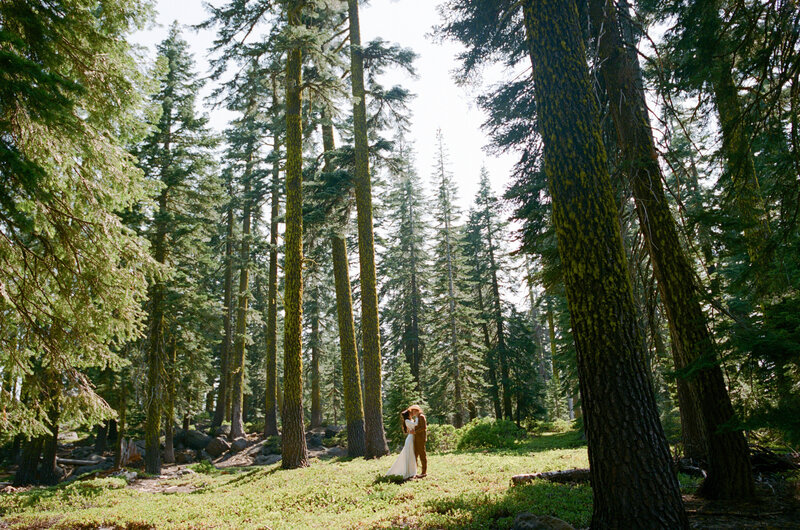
{"points": [[572, 503]]}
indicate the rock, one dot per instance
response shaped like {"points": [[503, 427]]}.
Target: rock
{"points": [[266, 460], [67, 436], [186, 471], [272, 446], [91, 469], [223, 430], [333, 430], [529, 521], [127, 475], [239, 444], [335, 452], [217, 446], [313, 440], [197, 439], [184, 457]]}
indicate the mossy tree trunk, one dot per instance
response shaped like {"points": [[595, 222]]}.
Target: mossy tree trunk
{"points": [[370, 328], [632, 489], [294, 451], [729, 473], [271, 419], [351, 373], [223, 391]]}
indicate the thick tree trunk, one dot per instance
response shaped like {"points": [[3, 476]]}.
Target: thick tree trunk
{"points": [[223, 391], [28, 470], [294, 451], [351, 373], [370, 329], [100, 437], [729, 474], [112, 431], [632, 489], [271, 420]]}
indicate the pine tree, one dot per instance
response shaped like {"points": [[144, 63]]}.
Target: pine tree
{"points": [[453, 369], [401, 392], [177, 154], [404, 265], [73, 275]]}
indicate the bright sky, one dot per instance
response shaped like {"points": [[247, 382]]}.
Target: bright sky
{"points": [[439, 102]]}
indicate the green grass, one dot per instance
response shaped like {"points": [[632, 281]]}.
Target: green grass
{"points": [[462, 490]]}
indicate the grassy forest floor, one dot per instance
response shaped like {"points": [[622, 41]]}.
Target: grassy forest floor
{"points": [[462, 490]]}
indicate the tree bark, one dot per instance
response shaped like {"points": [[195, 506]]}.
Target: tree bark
{"points": [[370, 328], [351, 373], [28, 470], [632, 489], [729, 473], [169, 410], [239, 344], [316, 393], [271, 420], [294, 451], [223, 391], [100, 437]]}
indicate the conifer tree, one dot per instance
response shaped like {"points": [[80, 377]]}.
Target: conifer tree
{"points": [[404, 265], [177, 154]]}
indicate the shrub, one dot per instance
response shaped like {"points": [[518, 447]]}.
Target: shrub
{"points": [[442, 437], [485, 433]]}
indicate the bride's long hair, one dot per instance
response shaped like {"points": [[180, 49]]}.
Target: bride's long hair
{"points": [[403, 417]]}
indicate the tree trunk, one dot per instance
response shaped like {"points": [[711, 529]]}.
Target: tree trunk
{"points": [[351, 373], [155, 351], [370, 329], [502, 354], [121, 428], [28, 470], [729, 473], [636, 489], [238, 364], [112, 431], [271, 414], [100, 437], [223, 391], [169, 410], [316, 393], [294, 451]]}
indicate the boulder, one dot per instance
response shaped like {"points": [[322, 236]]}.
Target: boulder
{"points": [[266, 460], [335, 452], [223, 430], [333, 430], [529, 521], [186, 471], [102, 466], [313, 440], [184, 457], [272, 446], [127, 475], [239, 444], [217, 446], [197, 440]]}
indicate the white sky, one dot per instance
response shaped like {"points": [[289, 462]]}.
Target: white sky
{"points": [[439, 101]]}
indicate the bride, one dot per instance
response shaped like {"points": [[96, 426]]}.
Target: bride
{"points": [[406, 463]]}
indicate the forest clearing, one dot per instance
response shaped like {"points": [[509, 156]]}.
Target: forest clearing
{"points": [[341, 264]]}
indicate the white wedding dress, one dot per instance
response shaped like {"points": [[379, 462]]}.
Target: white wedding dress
{"points": [[406, 463]]}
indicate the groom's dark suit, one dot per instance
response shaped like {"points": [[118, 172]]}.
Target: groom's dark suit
{"points": [[420, 437]]}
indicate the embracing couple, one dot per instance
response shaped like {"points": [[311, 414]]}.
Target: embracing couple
{"points": [[416, 428]]}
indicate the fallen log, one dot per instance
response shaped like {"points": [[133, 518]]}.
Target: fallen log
{"points": [[76, 462], [563, 476]]}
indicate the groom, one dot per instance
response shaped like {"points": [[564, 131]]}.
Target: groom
{"points": [[420, 437]]}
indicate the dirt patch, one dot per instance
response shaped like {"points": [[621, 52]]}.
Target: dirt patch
{"points": [[772, 509]]}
